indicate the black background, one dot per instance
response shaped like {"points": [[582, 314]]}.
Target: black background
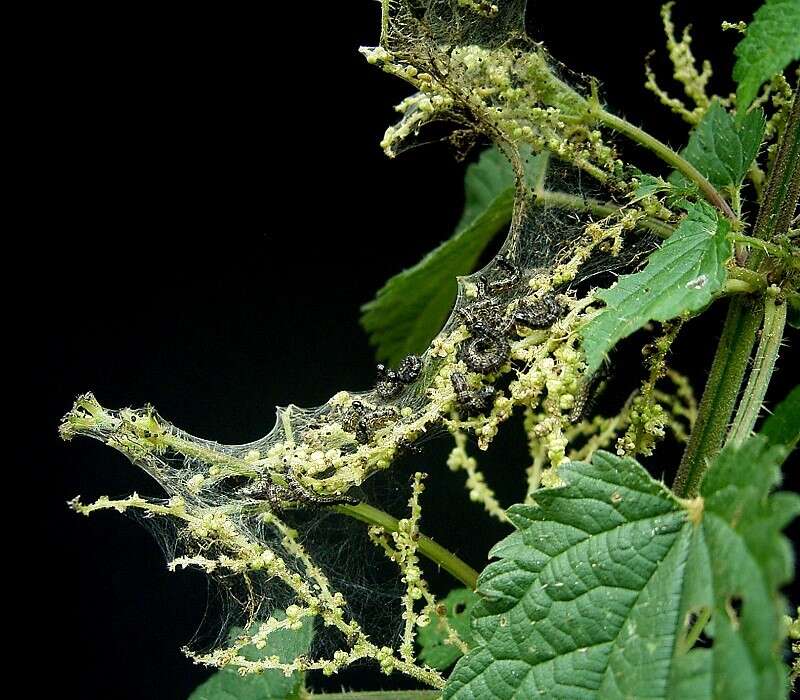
{"points": [[210, 208]]}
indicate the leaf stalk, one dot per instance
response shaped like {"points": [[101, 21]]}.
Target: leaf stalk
{"points": [[763, 367], [426, 546], [660, 149]]}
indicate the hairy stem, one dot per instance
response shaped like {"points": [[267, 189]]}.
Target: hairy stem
{"points": [[666, 154], [719, 396], [744, 318], [763, 367], [426, 546], [783, 185], [737, 286], [769, 248], [754, 281]]}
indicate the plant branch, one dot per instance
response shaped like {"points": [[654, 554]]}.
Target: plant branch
{"points": [[719, 396], [427, 547], [769, 248], [666, 154], [742, 276], [783, 187], [744, 318], [696, 630], [564, 200], [737, 286], [763, 367]]}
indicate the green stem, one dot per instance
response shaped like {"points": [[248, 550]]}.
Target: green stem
{"points": [[744, 317], [754, 281], [719, 396], [757, 177], [783, 187], [564, 200], [737, 286], [766, 246], [694, 633], [427, 547], [766, 355], [667, 155]]}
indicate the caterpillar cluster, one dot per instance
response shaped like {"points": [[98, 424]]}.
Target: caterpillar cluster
{"points": [[484, 352]]}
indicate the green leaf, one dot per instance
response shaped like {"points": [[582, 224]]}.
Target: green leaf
{"points": [[227, 684], [596, 594], [433, 651], [771, 43], [649, 185], [681, 278], [721, 149], [793, 312], [783, 426], [412, 306], [738, 562]]}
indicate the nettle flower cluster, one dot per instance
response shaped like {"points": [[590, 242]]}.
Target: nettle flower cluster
{"points": [[492, 79], [314, 458], [512, 344]]}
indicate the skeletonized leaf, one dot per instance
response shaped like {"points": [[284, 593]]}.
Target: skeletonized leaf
{"points": [[772, 42], [227, 684], [722, 149], [412, 306], [736, 566], [596, 594], [681, 277]]}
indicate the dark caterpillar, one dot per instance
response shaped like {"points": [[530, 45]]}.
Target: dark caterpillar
{"points": [[365, 421], [588, 393], [504, 283], [471, 402], [541, 314], [489, 348], [485, 354], [391, 382], [277, 496]]}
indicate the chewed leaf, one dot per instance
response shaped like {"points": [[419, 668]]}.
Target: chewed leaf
{"points": [[771, 43], [597, 593], [436, 647], [721, 149], [412, 306], [681, 277]]}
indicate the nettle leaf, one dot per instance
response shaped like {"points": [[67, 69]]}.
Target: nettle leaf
{"points": [[287, 645], [783, 426], [597, 593], [681, 277], [793, 312], [674, 191], [650, 185], [457, 612], [737, 563], [721, 149], [771, 43], [410, 309]]}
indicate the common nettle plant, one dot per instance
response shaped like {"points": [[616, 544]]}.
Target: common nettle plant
{"points": [[612, 584]]}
